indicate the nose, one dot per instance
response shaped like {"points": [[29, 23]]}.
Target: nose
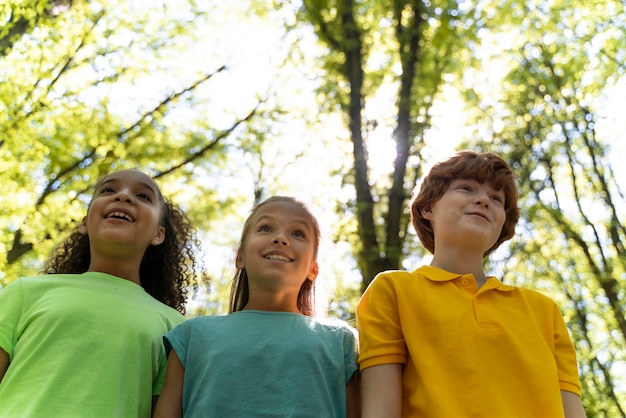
{"points": [[482, 198], [123, 196], [280, 239]]}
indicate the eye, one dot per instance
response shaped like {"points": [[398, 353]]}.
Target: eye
{"points": [[264, 228], [298, 234], [145, 196], [498, 198], [107, 190]]}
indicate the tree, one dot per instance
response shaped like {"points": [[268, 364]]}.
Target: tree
{"points": [[95, 88], [366, 41], [21, 17]]}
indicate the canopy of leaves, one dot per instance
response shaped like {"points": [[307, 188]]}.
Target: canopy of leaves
{"points": [[91, 87]]}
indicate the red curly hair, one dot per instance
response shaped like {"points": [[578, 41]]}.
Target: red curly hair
{"points": [[481, 167]]}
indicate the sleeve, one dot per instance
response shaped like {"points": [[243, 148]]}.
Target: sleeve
{"points": [[381, 339], [565, 355], [178, 340], [11, 301], [157, 385]]}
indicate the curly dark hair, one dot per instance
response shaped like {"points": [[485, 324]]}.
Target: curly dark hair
{"points": [[239, 291], [167, 271], [482, 167]]}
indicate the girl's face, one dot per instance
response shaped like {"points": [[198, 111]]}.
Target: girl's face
{"points": [[124, 214], [280, 246]]}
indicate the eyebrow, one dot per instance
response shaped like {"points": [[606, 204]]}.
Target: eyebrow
{"points": [[488, 183], [142, 183], [301, 221]]}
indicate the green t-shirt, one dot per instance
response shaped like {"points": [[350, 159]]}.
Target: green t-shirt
{"points": [[81, 345]]}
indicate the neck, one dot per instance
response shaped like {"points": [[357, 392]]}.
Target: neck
{"points": [[263, 300]]}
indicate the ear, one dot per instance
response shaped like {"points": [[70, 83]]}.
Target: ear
{"points": [[82, 228], [159, 237], [427, 212], [239, 260], [315, 269]]}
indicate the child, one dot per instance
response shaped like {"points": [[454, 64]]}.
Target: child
{"points": [[446, 340], [270, 357], [86, 340]]}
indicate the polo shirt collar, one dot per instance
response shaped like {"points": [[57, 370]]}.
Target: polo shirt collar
{"points": [[436, 274]]}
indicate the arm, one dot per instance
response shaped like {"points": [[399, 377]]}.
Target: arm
{"points": [[4, 363], [381, 391], [572, 405], [170, 403], [353, 397], [565, 356]]}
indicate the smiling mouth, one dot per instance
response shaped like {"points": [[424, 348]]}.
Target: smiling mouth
{"points": [[119, 215], [277, 257], [479, 215]]}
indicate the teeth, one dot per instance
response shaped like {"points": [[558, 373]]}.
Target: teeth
{"points": [[277, 257], [120, 215]]}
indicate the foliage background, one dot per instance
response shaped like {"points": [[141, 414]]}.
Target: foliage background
{"points": [[345, 104]]}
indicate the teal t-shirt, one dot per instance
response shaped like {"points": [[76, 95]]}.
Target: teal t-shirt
{"points": [[88, 345], [264, 364]]}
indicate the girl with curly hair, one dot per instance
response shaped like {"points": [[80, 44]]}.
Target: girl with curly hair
{"points": [[85, 339]]}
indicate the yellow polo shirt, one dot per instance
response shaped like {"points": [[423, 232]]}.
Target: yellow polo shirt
{"points": [[498, 351]]}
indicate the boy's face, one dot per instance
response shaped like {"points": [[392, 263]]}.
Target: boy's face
{"points": [[469, 214]]}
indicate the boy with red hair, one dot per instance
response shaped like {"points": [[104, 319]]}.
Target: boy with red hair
{"points": [[449, 341]]}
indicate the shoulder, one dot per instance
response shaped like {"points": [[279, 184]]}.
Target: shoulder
{"points": [[394, 277], [33, 283], [396, 282], [214, 327], [331, 325], [330, 322], [333, 332], [203, 321], [42, 279], [171, 314], [538, 301], [534, 296]]}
